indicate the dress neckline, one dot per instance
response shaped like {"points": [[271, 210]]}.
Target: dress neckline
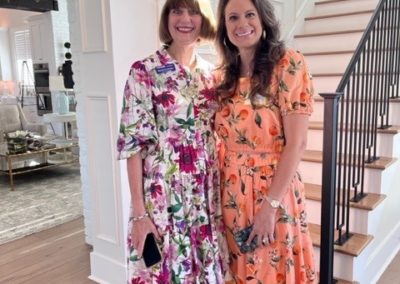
{"points": [[176, 62]]}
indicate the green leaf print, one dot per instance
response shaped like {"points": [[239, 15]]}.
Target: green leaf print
{"points": [[294, 67], [189, 110], [258, 119], [134, 258], [175, 278], [176, 197], [122, 128], [283, 87], [286, 218], [186, 124], [175, 208], [242, 187], [171, 170], [180, 121]]}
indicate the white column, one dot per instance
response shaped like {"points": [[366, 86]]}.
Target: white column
{"points": [[106, 37]]}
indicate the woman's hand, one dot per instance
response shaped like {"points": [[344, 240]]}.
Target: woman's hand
{"points": [[264, 225], [139, 231]]}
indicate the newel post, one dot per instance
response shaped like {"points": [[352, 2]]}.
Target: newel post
{"points": [[328, 186]]}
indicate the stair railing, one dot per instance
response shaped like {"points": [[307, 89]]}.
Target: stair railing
{"points": [[352, 117]]}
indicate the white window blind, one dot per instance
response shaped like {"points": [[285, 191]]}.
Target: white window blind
{"points": [[23, 57]]}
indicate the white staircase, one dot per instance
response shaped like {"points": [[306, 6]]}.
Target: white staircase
{"points": [[329, 39]]}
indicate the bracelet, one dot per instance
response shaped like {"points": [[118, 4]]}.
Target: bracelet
{"points": [[138, 218]]}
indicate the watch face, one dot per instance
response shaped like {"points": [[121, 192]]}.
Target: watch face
{"points": [[274, 203]]}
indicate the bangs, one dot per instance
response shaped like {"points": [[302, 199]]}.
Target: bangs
{"points": [[188, 4], [203, 7]]}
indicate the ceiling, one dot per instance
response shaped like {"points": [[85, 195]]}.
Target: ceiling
{"points": [[14, 18]]}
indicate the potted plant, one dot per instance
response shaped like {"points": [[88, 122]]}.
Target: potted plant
{"points": [[17, 141]]}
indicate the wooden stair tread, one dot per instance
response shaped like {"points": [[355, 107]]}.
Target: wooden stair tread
{"points": [[329, 33], [341, 281], [391, 100], [369, 11], [328, 2], [354, 246], [311, 53], [327, 74], [319, 125], [380, 164], [369, 202]]}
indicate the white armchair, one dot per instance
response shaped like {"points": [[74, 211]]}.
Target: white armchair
{"points": [[12, 119]]}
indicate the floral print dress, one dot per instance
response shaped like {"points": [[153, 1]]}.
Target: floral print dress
{"points": [[168, 116], [252, 140]]}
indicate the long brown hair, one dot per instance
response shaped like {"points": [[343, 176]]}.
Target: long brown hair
{"points": [[208, 26], [268, 52]]}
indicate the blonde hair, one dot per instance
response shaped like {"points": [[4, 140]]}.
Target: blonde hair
{"points": [[208, 25]]}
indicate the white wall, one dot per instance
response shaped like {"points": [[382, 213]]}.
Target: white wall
{"points": [[5, 56], [290, 14], [106, 37], [60, 25]]}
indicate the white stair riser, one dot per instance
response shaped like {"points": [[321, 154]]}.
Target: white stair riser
{"points": [[311, 172], [324, 43], [326, 84], [344, 7], [394, 112], [339, 23], [328, 64], [361, 217], [385, 146], [343, 264], [361, 221]]}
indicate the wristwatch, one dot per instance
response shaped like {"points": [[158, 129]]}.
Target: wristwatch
{"points": [[273, 202]]}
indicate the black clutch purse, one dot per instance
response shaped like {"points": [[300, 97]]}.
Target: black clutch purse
{"points": [[241, 238]]}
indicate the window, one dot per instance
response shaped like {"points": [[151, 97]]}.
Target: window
{"points": [[23, 58]]}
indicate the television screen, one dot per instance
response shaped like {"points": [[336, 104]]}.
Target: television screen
{"points": [[29, 5]]}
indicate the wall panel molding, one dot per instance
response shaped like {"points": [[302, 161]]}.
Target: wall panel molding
{"points": [[92, 20], [101, 167]]}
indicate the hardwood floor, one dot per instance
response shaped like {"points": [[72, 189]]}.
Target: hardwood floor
{"points": [[58, 255]]}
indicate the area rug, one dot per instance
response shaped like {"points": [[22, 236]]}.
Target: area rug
{"points": [[41, 200]]}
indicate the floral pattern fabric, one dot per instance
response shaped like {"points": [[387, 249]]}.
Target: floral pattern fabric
{"points": [[252, 141], [168, 116]]}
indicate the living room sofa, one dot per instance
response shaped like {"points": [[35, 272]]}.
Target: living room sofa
{"points": [[12, 119]]}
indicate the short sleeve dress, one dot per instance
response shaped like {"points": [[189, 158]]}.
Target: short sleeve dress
{"points": [[168, 116], [253, 139]]}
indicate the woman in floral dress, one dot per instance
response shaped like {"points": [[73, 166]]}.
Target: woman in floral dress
{"points": [[266, 99], [167, 135]]}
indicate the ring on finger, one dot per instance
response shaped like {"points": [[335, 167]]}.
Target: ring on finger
{"points": [[265, 241]]}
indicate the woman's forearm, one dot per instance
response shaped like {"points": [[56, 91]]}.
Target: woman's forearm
{"points": [[295, 126], [135, 177]]}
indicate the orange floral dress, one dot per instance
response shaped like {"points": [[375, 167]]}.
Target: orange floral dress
{"points": [[252, 141]]}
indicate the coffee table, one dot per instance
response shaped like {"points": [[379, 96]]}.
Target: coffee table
{"points": [[47, 158]]}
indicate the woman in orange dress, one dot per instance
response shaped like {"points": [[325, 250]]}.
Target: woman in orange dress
{"points": [[266, 99]]}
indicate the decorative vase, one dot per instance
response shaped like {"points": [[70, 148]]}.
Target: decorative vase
{"points": [[62, 103]]}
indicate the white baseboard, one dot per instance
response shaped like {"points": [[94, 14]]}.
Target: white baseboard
{"points": [[384, 255]]}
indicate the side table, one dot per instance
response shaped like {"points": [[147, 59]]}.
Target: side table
{"points": [[62, 118]]}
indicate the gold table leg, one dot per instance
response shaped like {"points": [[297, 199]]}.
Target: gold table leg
{"points": [[10, 173]]}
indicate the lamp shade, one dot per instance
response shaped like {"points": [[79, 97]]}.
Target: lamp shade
{"points": [[56, 83]]}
